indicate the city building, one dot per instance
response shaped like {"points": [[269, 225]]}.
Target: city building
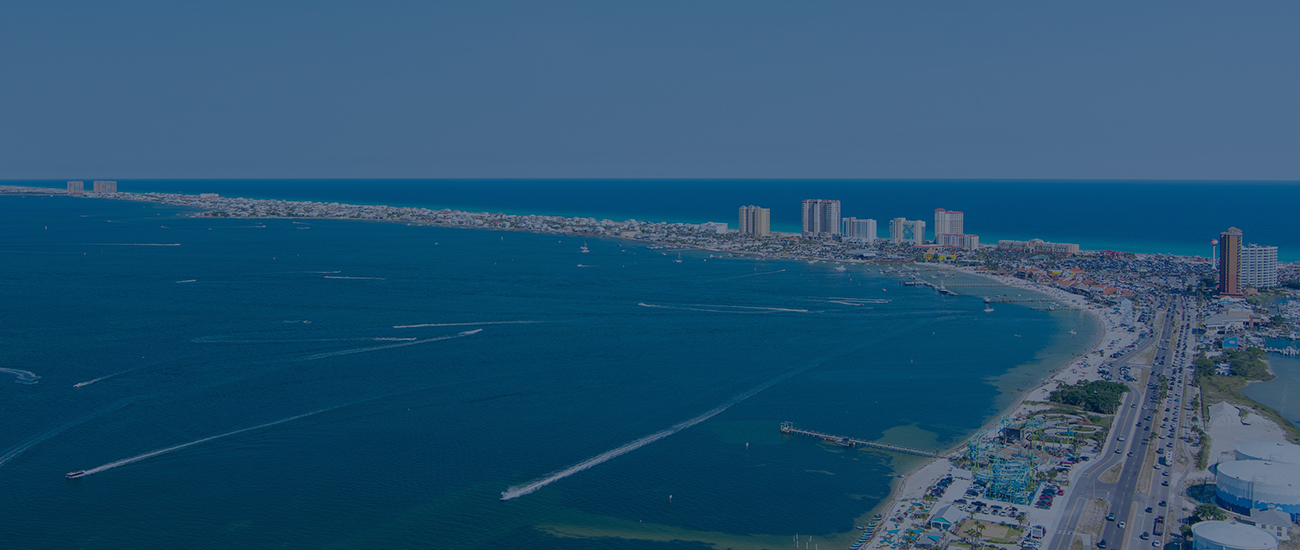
{"points": [[716, 227], [102, 186], [755, 221], [1230, 535], [1039, 245], [905, 231], [76, 187], [948, 222], [1271, 451], [1258, 266], [858, 230], [1259, 485], [958, 240], [1276, 522], [1230, 262], [821, 218]]}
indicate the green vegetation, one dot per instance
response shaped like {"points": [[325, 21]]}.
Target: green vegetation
{"points": [[1248, 363], [1208, 512], [1098, 396]]}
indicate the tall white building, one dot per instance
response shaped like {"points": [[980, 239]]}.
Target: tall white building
{"points": [[821, 218], [859, 230], [905, 231], [969, 242], [948, 222], [1258, 266], [755, 221]]}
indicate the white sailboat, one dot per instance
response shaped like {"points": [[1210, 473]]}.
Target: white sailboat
{"points": [[584, 247]]}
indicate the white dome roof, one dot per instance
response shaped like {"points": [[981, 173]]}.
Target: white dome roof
{"points": [[1269, 450], [1238, 536]]}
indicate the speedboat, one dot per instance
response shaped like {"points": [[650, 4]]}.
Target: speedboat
{"points": [[76, 474]]}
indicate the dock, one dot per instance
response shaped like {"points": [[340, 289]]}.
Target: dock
{"points": [[789, 429]]}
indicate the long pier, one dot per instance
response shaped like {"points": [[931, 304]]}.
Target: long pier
{"points": [[789, 429]]}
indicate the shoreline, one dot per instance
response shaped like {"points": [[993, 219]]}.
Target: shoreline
{"points": [[905, 483]]}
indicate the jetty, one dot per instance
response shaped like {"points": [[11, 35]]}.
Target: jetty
{"points": [[789, 429]]}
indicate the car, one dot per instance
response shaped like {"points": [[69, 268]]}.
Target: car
{"points": [[1120, 438], [1164, 483], [1101, 543], [1149, 509], [1133, 406], [1166, 473], [1130, 453], [1110, 517], [1118, 451], [1120, 525], [1163, 504]]}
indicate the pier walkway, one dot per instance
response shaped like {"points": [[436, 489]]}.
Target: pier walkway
{"points": [[789, 429]]}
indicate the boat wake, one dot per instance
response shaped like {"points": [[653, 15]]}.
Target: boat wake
{"points": [[527, 488], [152, 454], [748, 275], [467, 324], [224, 340], [22, 447], [356, 278], [389, 346], [517, 491], [24, 376], [715, 308], [187, 281]]}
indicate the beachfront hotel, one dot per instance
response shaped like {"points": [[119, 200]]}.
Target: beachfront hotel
{"points": [[948, 222], [1230, 262], [1258, 266], [76, 187], [821, 218], [1039, 245], [755, 221], [905, 231], [105, 186], [859, 230]]}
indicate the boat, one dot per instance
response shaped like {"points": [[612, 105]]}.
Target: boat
{"points": [[988, 310], [679, 258], [76, 474], [1074, 332], [584, 247]]}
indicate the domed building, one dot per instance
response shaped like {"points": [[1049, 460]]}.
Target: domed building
{"points": [[1271, 451], [1228, 535], [1259, 484]]}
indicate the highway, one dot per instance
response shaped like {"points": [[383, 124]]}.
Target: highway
{"points": [[1129, 423]]}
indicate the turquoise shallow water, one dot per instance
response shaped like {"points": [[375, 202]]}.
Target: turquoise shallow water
{"points": [[1282, 394], [193, 328]]}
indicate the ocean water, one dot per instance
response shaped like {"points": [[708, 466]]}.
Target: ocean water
{"points": [[1146, 217], [343, 384]]}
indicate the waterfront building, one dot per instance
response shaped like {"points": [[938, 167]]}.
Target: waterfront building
{"points": [[1230, 535], [716, 227], [821, 218], [1258, 266], [76, 187], [755, 221], [105, 186], [859, 230], [1039, 245], [969, 242], [905, 231], [1230, 262], [948, 222]]}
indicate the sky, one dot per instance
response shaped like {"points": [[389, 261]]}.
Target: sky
{"points": [[654, 89]]}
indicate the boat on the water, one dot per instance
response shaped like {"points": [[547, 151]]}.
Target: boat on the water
{"points": [[76, 474]]}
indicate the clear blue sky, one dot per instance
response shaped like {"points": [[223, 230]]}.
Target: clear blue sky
{"points": [[653, 89]]}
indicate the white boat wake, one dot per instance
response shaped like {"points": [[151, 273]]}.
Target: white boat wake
{"points": [[356, 278], [748, 275], [725, 308], [21, 447], [527, 488], [152, 454], [467, 324], [389, 346], [24, 376]]}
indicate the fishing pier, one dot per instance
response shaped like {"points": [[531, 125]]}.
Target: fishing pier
{"points": [[789, 429]]}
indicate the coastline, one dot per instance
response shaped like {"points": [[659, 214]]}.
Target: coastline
{"points": [[913, 484], [917, 477]]}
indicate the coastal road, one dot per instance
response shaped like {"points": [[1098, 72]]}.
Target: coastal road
{"points": [[1126, 423]]}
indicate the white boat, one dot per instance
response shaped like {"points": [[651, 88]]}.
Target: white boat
{"points": [[584, 247], [679, 258]]}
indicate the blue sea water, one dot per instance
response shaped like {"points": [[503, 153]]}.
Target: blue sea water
{"points": [[1143, 216], [195, 330]]}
